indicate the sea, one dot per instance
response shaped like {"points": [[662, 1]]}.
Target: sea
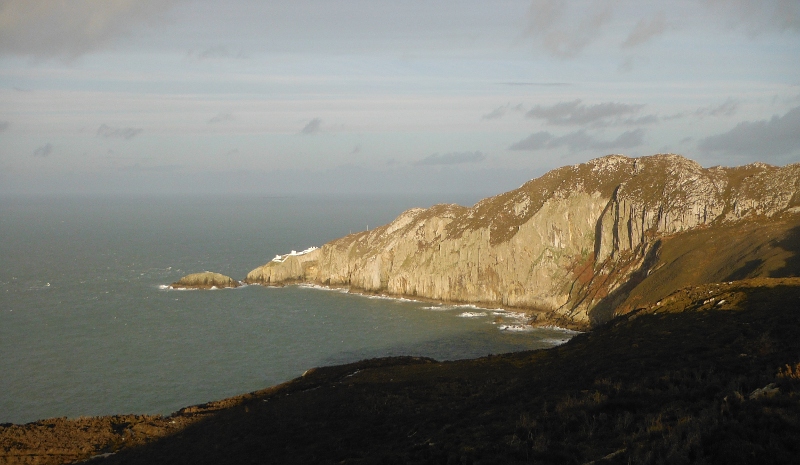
{"points": [[89, 325]]}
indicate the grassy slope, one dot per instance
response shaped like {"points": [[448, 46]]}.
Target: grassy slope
{"points": [[757, 247], [671, 384]]}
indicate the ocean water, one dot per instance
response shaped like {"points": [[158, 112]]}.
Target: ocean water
{"points": [[87, 328]]}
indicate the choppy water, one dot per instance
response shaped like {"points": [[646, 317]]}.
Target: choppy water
{"points": [[86, 330]]}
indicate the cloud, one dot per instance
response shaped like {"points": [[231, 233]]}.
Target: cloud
{"points": [[452, 158], [501, 111], [313, 127], [578, 140], [216, 53], [108, 132], [44, 150], [647, 119], [645, 31], [728, 108], [576, 113], [47, 28], [221, 118], [539, 84], [759, 16], [4, 125], [777, 136], [564, 28], [356, 149]]}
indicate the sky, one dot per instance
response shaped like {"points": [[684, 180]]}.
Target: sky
{"points": [[383, 97]]}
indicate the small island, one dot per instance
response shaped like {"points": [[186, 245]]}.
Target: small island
{"points": [[205, 280]]}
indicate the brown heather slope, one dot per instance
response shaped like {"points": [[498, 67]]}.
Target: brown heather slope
{"points": [[572, 245], [710, 374]]}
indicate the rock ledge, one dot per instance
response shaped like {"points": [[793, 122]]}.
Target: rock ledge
{"points": [[205, 280]]}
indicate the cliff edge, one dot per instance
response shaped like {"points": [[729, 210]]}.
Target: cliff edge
{"points": [[578, 245]]}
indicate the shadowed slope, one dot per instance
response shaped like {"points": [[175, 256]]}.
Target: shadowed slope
{"points": [[711, 373]]}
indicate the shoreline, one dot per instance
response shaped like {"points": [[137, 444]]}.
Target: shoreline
{"points": [[536, 318]]}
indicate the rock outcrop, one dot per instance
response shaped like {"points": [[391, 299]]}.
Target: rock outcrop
{"points": [[205, 280], [564, 244]]}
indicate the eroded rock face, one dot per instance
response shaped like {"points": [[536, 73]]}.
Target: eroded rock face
{"points": [[205, 280], [560, 243]]}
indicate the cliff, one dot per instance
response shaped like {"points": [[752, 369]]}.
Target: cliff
{"points": [[575, 246]]}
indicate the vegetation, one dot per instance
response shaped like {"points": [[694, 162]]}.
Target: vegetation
{"points": [[710, 374]]}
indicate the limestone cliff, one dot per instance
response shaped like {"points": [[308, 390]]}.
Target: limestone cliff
{"points": [[564, 244]]}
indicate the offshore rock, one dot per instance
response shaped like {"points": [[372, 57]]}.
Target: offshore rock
{"points": [[575, 240], [205, 280]]}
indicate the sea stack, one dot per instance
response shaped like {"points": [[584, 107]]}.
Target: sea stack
{"points": [[205, 280]]}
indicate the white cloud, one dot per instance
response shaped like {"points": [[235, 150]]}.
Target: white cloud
{"points": [[4, 125], [777, 136]]}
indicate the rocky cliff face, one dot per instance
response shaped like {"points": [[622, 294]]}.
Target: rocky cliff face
{"points": [[561, 244]]}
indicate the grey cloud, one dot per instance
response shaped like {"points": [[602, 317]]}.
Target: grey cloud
{"points": [[777, 136], [46, 28], [501, 111], [4, 125], [497, 113], [312, 127], [218, 52], [44, 150], [535, 141], [138, 167], [728, 108], [578, 140], [539, 84], [645, 30], [108, 132], [563, 32], [759, 16], [577, 113], [647, 119], [221, 118], [452, 158]]}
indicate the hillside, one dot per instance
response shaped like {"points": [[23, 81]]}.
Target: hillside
{"points": [[577, 245], [711, 374]]}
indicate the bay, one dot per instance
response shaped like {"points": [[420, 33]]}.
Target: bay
{"points": [[86, 327]]}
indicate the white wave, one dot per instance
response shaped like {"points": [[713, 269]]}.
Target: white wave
{"points": [[472, 314], [516, 328], [324, 288], [439, 308], [388, 297], [555, 342]]}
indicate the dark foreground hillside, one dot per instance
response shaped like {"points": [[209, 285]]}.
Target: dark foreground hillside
{"points": [[711, 374]]}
